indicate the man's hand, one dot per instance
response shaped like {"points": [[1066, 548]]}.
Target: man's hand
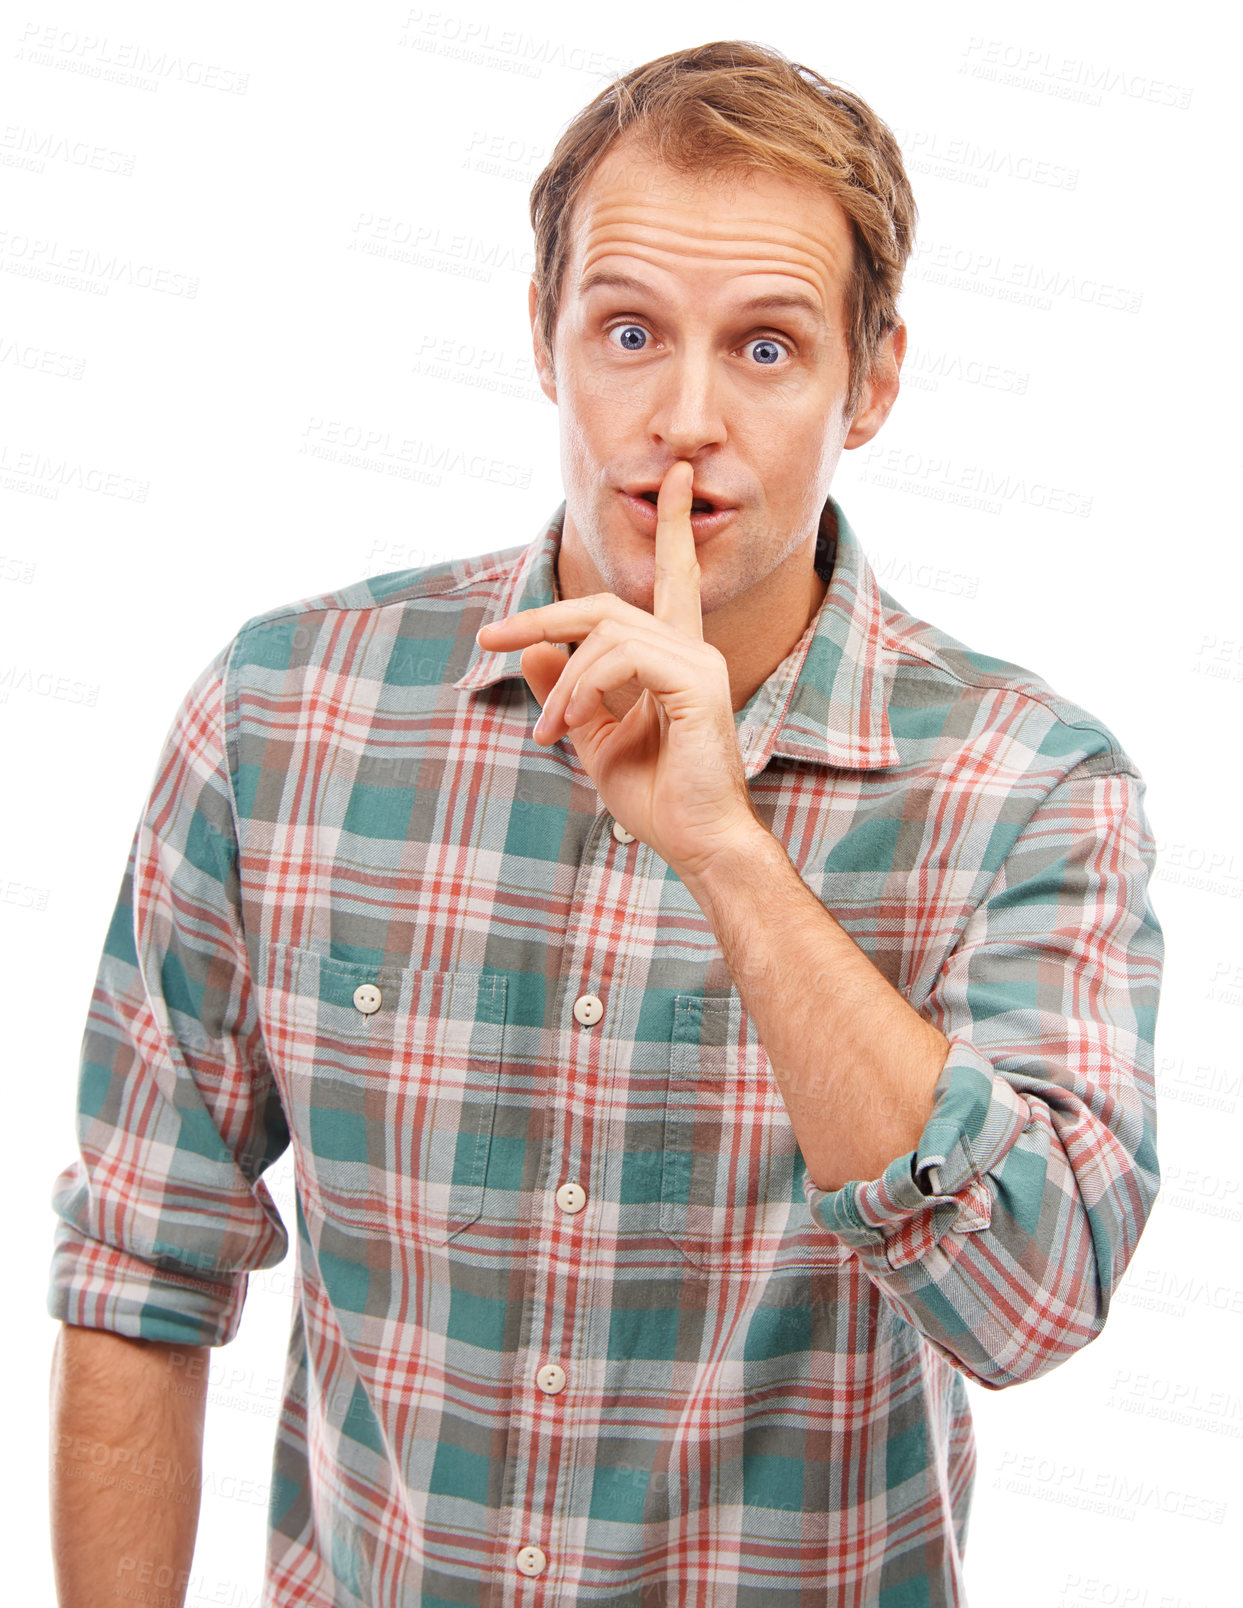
{"points": [[670, 770]]}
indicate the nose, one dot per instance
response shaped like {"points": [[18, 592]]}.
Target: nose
{"points": [[687, 413]]}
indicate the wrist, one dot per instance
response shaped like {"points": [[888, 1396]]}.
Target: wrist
{"points": [[736, 857]]}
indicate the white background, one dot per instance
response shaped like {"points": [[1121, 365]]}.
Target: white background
{"points": [[345, 193]]}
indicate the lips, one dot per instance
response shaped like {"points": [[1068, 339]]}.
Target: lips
{"points": [[706, 517], [704, 501], [699, 505]]}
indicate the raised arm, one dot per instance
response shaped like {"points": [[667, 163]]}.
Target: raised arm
{"points": [[1003, 1235], [1003, 1128]]}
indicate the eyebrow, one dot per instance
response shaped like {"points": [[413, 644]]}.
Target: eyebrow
{"points": [[774, 301]]}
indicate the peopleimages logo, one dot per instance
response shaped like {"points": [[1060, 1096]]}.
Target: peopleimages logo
{"points": [[84, 268], [966, 161], [1027, 284], [1098, 1591], [1199, 1083], [49, 474], [32, 149], [1203, 867], [46, 684], [1065, 77], [425, 245], [1103, 1491], [122, 61], [41, 359], [505, 49], [973, 485], [925, 367], [1174, 1293], [408, 457]]}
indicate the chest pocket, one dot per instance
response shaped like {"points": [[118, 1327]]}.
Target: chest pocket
{"points": [[389, 1080], [732, 1172]]}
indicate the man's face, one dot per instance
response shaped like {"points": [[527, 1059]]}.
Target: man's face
{"points": [[684, 362]]}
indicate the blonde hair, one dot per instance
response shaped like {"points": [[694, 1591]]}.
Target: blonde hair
{"points": [[722, 110]]}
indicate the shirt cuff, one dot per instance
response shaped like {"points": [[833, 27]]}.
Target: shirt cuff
{"points": [[938, 1188], [97, 1286]]}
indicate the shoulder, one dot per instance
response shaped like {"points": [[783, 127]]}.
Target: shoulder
{"points": [[337, 626], [946, 697], [454, 582]]}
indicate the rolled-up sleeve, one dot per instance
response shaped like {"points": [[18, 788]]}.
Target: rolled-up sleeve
{"points": [[1002, 1236], [165, 1212]]}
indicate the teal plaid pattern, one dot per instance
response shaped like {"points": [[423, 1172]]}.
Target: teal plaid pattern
{"points": [[359, 909]]}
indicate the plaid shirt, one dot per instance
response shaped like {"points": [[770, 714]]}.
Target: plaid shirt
{"points": [[572, 1323]]}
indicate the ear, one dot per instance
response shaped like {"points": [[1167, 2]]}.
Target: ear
{"points": [[880, 389], [547, 383]]}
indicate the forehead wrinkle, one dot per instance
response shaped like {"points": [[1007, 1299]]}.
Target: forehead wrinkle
{"points": [[810, 270], [624, 228], [735, 229], [696, 230]]}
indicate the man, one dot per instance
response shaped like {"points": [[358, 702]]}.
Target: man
{"points": [[685, 1096]]}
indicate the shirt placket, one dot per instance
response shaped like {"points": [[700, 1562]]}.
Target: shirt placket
{"points": [[559, 1367]]}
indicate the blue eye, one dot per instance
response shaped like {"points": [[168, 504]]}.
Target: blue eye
{"points": [[763, 345], [626, 331]]}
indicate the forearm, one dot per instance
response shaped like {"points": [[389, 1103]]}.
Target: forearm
{"points": [[1002, 1267], [125, 1467], [1035, 1166], [855, 1064]]}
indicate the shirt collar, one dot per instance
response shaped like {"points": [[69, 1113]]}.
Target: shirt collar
{"points": [[824, 703]]}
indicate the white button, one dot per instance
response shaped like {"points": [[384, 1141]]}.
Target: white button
{"points": [[532, 1561], [571, 1197], [588, 1008], [621, 834], [551, 1379], [367, 998]]}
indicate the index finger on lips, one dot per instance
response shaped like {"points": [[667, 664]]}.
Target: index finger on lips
{"points": [[675, 597]]}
